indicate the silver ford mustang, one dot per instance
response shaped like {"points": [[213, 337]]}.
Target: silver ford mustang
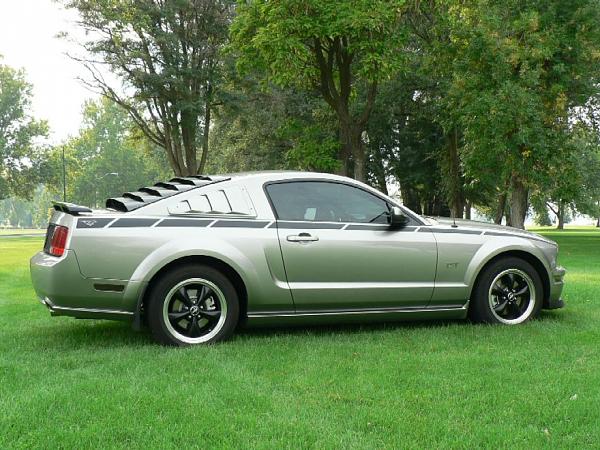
{"points": [[197, 256]]}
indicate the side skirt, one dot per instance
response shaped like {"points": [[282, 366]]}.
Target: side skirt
{"points": [[284, 318]]}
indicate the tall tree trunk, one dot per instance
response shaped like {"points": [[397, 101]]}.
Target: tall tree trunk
{"points": [[352, 147], [205, 138], [598, 223], [454, 176], [380, 171], [500, 208], [518, 202], [359, 156], [560, 216], [345, 150], [468, 210], [502, 198], [188, 139]]}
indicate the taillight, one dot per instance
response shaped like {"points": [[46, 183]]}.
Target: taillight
{"points": [[58, 242]]}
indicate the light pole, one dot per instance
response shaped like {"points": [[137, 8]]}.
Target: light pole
{"points": [[115, 174], [64, 175]]}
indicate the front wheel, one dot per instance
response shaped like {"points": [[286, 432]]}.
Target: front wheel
{"points": [[192, 304], [509, 291]]}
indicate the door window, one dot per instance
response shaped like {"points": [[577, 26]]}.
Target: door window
{"points": [[320, 201]]}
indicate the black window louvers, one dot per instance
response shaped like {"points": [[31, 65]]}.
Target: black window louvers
{"points": [[177, 187], [146, 195], [158, 191], [193, 181], [141, 196], [123, 204]]}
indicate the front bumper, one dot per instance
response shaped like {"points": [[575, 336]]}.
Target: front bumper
{"points": [[60, 286], [556, 287]]}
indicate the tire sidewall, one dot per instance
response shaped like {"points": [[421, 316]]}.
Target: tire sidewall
{"points": [[158, 296], [480, 309]]}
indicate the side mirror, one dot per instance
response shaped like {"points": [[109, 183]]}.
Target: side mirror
{"points": [[397, 219]]}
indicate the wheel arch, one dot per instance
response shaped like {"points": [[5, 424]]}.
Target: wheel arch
{"points": [[537, 264], [220, 265]]}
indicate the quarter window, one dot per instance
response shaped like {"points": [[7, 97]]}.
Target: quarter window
{"points": [[320, 201]]}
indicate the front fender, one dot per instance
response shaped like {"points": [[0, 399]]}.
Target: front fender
{"points": [[494, 248]]}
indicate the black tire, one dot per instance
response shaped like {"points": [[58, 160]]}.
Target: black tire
{"points": [[491, 300], [177, 294]]}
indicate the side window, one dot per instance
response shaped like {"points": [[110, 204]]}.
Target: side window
{"points": [[321, 201]]}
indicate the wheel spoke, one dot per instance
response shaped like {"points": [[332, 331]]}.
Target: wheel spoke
{"points": [[500, 306], [511, 278], [192, 327], [176, 316], [210, 314], [205, 293], [497, 290], [523, 290], [515, 310], [183, 295]]}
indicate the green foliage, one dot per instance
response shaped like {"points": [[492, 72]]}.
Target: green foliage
{"points": [[20, 213], [107, 144], [167, 55], [520, 67], [340, 49], [20, 136], [280, 36]]}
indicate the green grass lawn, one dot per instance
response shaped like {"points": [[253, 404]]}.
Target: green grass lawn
{"points": [[79, 384]]}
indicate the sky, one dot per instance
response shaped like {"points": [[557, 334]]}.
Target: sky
{"points": [[28, 30]]}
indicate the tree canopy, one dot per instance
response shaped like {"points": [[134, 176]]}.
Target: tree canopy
{"points": [[20, 135]]}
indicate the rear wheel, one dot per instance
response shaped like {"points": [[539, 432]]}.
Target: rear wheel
{"points": [[192, 304], [508, 291]]}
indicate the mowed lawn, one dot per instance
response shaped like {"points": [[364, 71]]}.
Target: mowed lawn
{"points": [[79, 384]]}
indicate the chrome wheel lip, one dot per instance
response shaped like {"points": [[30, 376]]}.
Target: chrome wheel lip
{"points": [[221, 322], [532, 297]]}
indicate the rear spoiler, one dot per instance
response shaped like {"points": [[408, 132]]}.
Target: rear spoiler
{"points": [[70, 208]]}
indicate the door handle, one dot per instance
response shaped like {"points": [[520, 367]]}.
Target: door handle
{"points": [[302, 237]]}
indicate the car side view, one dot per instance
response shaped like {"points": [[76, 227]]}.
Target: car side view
{"points": [[196, 257]]}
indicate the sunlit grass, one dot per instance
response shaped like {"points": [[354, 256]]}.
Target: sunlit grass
{"points": [[79, 384], [15, 231]]}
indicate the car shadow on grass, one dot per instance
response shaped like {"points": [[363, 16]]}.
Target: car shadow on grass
{"points": [[107, 334]]}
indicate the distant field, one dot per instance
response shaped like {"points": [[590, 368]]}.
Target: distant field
{"points": [[67, 383], [568, 228], [10, 231]]}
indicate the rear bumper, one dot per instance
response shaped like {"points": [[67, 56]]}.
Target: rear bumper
{"points": [[556, 287], [60, 286]]}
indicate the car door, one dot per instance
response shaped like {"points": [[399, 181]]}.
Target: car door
{"points": [[339, 252]]}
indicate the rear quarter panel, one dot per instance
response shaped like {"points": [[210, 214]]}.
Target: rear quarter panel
{"points": [[137, 253]]}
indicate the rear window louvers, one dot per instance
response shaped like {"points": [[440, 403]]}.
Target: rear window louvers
{"points": [[147, 195]]}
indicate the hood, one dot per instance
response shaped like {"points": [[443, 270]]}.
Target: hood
{"points": [[492, 227]]}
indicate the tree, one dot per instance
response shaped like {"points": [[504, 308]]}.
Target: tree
{"points": [[166, 54], [20, 133], [520, 69], [343, 50], [107, 157]]}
